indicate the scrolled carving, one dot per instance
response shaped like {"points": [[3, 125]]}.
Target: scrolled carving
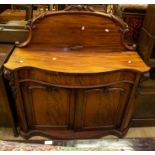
{"points": [[129, 47], [107, 89], [121, 22], [124, 29], [41, 16], [50, 88], [79, 8]]}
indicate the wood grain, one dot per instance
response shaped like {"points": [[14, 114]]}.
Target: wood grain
{"points": [[65, 80], [75, 78], [102, 108], [76, 61], [50, 111], [69, 29]]}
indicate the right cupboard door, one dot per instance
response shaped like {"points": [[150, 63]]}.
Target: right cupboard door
{"points": [[101, 108]]}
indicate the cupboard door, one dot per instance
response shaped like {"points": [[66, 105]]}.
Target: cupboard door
{"points": [[101, 108], [46, 106]]}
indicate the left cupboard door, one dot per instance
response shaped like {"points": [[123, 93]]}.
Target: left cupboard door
{"points": [[47, 107]]}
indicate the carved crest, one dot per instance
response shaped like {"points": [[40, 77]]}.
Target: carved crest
{"points": [[79, 8]]}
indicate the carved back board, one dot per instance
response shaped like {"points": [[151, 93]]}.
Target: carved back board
{"points": [[74, 29]]}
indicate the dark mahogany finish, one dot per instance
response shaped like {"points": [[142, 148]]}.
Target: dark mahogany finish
{"points": [[71, 80]]}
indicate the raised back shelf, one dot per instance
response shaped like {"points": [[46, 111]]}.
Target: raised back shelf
{"points": [[72, 29]]}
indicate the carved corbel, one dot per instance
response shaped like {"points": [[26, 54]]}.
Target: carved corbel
{"points": [[124, 29], [8, 75], [129, 47]]}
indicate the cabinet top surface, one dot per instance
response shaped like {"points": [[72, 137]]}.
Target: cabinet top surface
{"points": [[72, 41], [76, 61]]}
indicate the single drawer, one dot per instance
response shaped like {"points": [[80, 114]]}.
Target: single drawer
{"points": [[75, 80]]}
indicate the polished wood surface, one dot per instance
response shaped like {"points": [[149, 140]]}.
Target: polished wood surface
{"points": [[52, 97], [76, 61], [39, 101], [73, 80], [102, 108], [85, 30], [77, 29], [52, 110]]}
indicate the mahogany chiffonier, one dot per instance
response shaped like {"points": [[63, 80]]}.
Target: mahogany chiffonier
{"points": [[74, 77]]}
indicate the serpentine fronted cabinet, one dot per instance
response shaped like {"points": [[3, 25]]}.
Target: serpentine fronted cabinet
{"points": [[76, 84]]}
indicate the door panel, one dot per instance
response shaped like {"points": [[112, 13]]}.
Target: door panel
{"points": [[102, 107], [46, 106]]}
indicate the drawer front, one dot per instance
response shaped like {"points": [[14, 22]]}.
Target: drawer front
{"points": [[75, 80]]}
